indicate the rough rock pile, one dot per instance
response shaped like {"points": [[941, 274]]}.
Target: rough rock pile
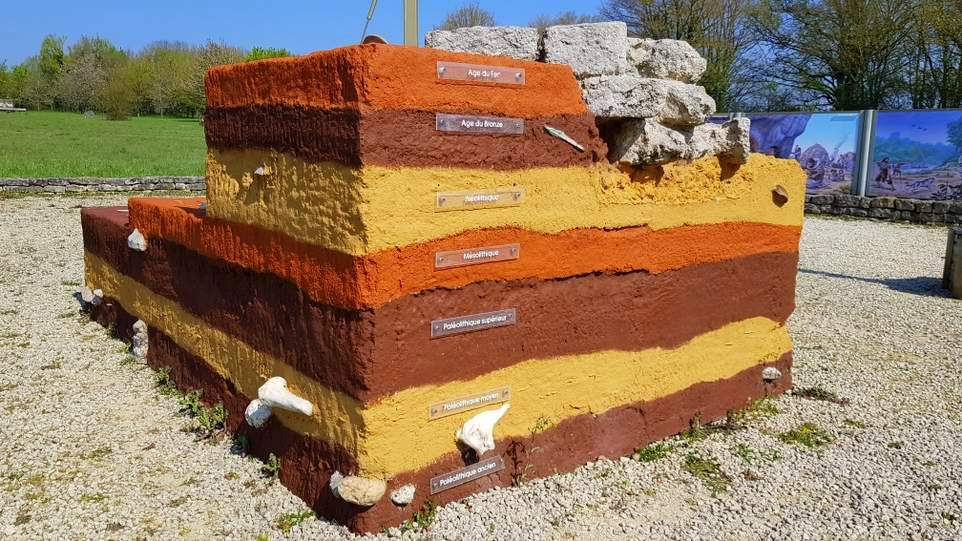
{"points": [[642, 91]]}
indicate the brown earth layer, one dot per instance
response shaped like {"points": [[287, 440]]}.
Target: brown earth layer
{"points": [[356, 282], [390, 77], [307, 463], [398, 138], [373, 353]]}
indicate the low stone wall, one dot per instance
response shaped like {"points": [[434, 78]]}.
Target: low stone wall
{"points": [[89, 184], [886, 208]]}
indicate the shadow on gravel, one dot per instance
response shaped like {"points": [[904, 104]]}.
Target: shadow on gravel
{"points": [[922, 285]]}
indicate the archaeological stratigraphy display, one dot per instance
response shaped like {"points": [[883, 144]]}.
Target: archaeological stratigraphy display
{"points": [[419, 274]]}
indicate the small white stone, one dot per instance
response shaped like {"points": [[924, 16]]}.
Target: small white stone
{"points": [[87, 295], [403, 495], [98, 297], [139, 326], [136, 241], [770, 373], [358, 490]]}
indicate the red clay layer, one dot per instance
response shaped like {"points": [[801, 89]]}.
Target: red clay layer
{"points": [[371, 354], [388, 77], [308, 463], [399, 138], [337, 279]]}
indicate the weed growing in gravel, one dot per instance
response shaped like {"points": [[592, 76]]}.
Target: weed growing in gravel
{"points": [[759, 409], [261, 537], [71, 283], [820, 394], [288, 521], [709, 471], [696, 431], [128, 360], [93, 498], [895, 445], [164, 382], [7, 312], [272, 468], [238, 444], [190, 403], [752, 456], [853, 423], [653, 452], [423, 518], [807, 434], [66, 315]]}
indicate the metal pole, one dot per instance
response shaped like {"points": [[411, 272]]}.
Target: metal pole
{"points": [[866, 137], [411, 36]]}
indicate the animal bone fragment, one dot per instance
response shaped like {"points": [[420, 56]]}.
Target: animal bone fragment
{"points": [[274, 394], [403, 495], [555, 132], [98, 297], [770, 373], [257, 413], [478, 432]]}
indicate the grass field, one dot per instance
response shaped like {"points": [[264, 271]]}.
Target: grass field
{"points": [[39, 144]]}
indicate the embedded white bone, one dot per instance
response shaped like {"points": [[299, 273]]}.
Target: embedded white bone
{"points": [[770, 373], [257, 413], [478, 432], [98, 297], [136, 241], [403, 495], [358, 490], [87, 295], [274, 394]]}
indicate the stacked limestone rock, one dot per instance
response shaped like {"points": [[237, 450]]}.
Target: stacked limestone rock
{"points": [[642, 91]]}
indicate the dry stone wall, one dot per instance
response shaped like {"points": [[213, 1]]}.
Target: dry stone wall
{"points": [[885, 208], [91, 184]]}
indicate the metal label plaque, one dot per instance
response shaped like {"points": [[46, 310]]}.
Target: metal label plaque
{"points": [[479, 199], [466, 475], [474, 322], [480, 73], [476, 256], [478, 124], [467, 403]]}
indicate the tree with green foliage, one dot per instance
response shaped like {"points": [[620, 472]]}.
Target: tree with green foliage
{"points": [[469, 14], [842, 54], [260, 53], [85, 71]]}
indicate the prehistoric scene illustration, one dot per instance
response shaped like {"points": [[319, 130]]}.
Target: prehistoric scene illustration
{"points": [[823, 144], [917, 154]]}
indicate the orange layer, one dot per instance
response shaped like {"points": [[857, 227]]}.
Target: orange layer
{"points": [[393, 77], [339, 279]]}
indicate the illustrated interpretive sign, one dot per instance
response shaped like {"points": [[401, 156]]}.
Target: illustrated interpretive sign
{"points": [[479, 199], [480, 73], [473, 322], [466, 475], [467, 403], [476, 256], [479, 124]]}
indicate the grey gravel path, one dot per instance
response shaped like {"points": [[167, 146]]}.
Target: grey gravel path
{"points": [[90, 450]]}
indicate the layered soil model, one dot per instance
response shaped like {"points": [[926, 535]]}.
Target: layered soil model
{"points": [[349, 239]]}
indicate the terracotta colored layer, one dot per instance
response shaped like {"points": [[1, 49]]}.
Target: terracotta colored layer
{"points": [[368, 354], [369, 281], [388, 77], [392, 138], [393, 435], [307, 463], [359, 211]]}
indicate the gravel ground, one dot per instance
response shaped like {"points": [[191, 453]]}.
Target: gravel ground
{"points": [[90, 450]]}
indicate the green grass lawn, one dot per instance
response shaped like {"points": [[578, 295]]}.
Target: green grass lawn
{"points": [[40, 144]]}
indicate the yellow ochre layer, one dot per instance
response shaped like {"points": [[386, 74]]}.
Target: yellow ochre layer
{"points": [[393, 435], [361, 210]]}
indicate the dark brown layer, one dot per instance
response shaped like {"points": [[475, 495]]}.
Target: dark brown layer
{"points": [[306, 463], [398, 138], [373, 353]]}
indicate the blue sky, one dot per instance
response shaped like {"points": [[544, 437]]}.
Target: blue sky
{"points": [[829, 130], [298, 25], [925, 127]]}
